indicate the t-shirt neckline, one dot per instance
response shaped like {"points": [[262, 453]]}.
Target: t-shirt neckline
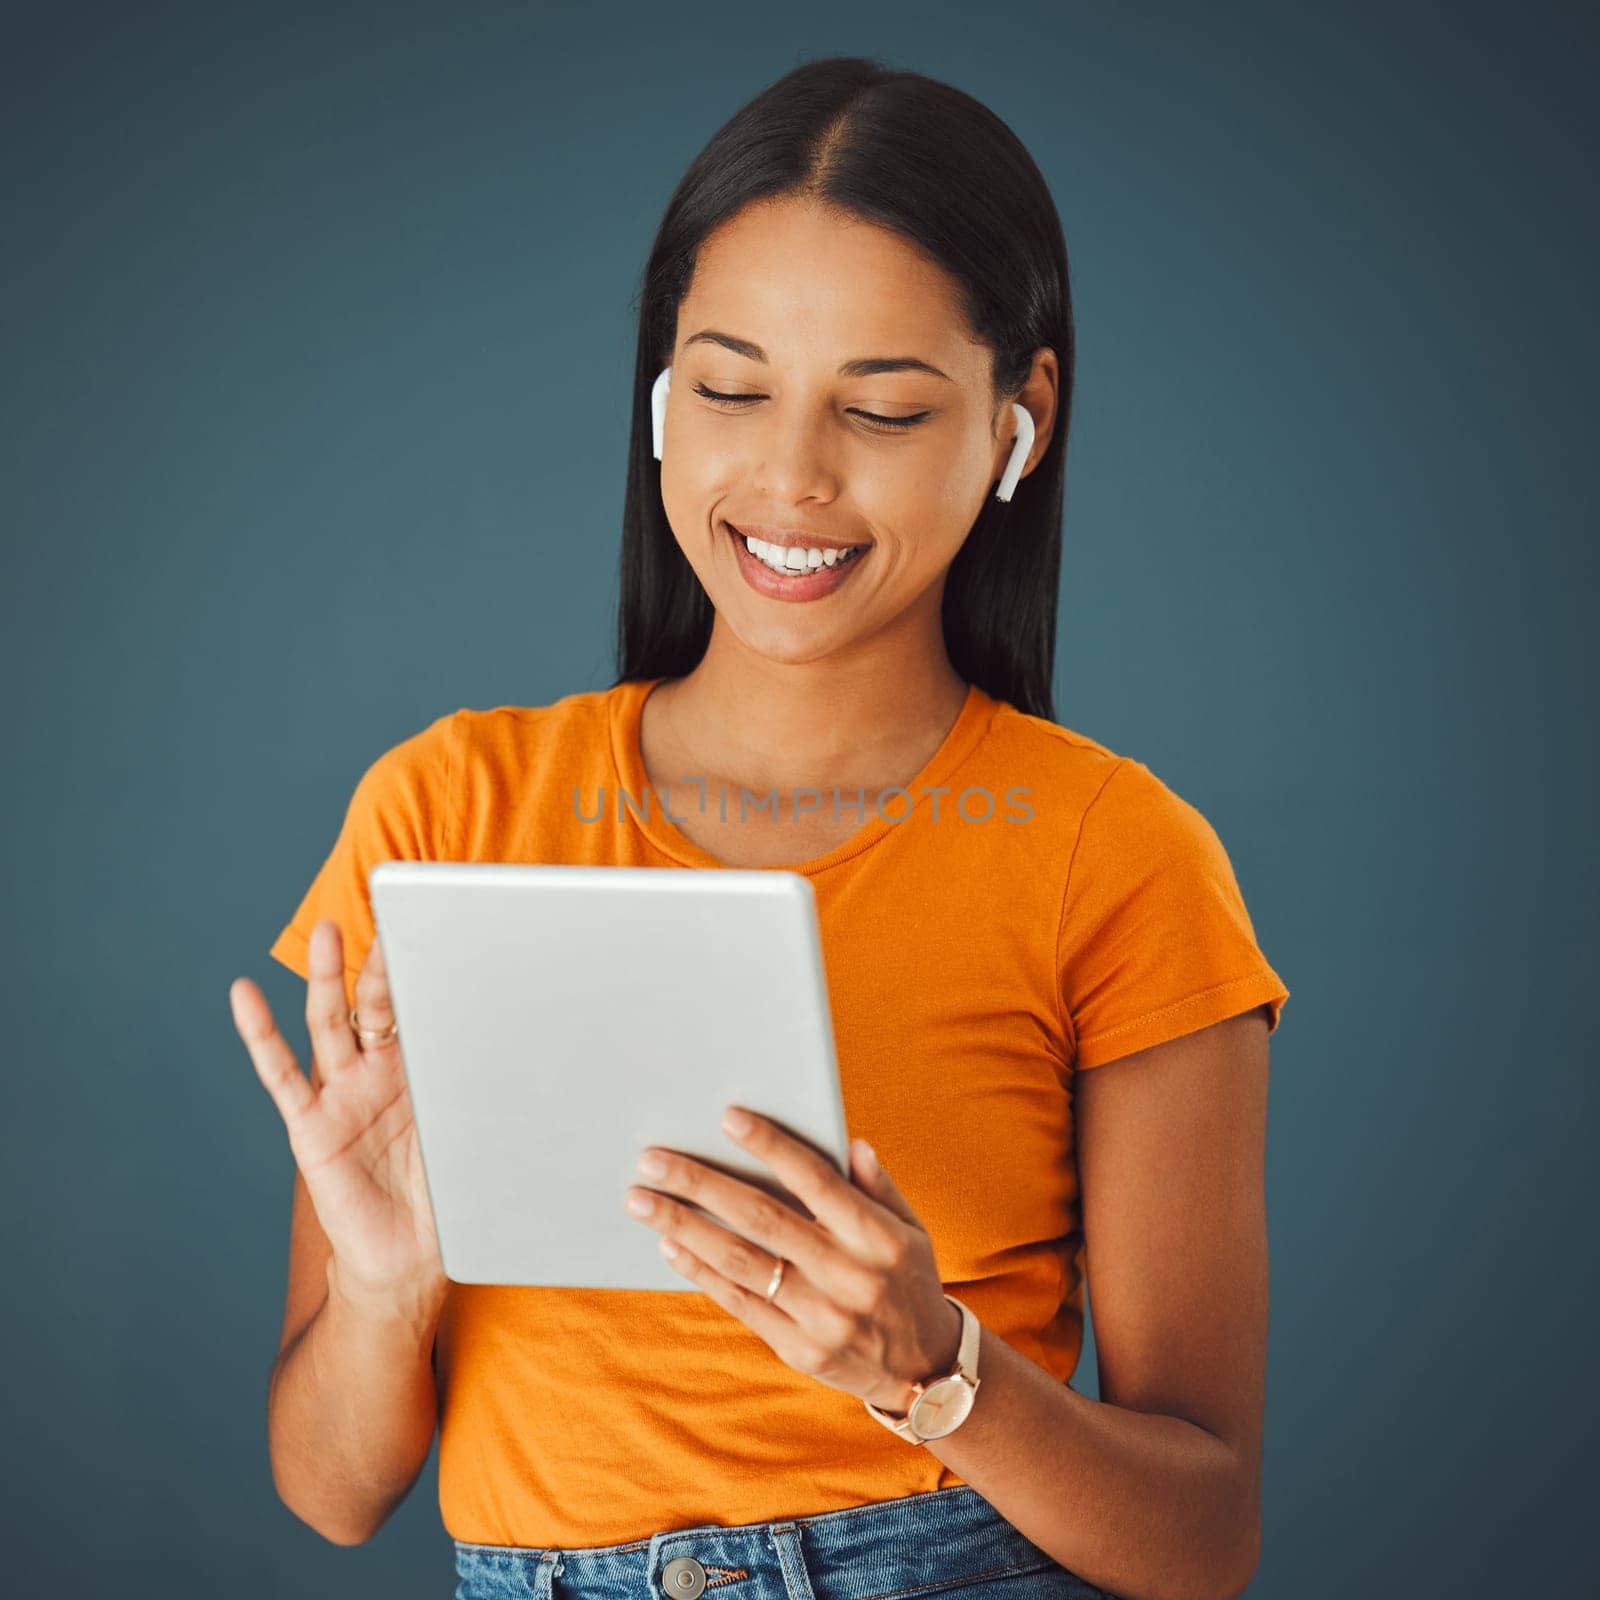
{"points": [[648, 813]]}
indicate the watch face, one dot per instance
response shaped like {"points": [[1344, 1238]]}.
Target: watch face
{"points": [[942, 1408]]}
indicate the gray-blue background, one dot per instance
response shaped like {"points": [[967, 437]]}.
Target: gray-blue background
{"points": [[316, 349]]}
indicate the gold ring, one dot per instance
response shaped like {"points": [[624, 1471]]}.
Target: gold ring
{"points": [[777, 1278], [371, 1036]]}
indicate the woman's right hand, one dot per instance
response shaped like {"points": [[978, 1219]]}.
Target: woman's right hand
{"points": [[350, 1128]]}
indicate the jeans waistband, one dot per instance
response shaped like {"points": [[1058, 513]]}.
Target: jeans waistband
{"points": [[912, 1546]]}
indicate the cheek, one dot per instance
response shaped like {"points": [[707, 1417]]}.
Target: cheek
{"points": [[693, 484], [688, 508], [925, 504], [929, 474]]}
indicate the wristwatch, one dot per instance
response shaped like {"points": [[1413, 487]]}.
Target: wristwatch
{"points": [[940, 1405]]}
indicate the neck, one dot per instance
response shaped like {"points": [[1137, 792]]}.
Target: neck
{"points": [[872, 718]]}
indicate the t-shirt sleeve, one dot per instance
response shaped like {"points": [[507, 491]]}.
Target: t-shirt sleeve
{"points": [[1154, 939], [398, 812]]}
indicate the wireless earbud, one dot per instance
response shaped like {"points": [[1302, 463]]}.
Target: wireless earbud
{"points": [[658, 406], [1019, 453], [1008, 479]]}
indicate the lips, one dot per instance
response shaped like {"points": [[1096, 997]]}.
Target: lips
{"points": [[789, 538], [814, 584]]}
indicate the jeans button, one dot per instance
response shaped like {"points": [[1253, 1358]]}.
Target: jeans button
{"points": [[683, 1579]]}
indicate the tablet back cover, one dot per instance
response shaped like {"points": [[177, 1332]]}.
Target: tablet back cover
{"points": [[555, 1020]]}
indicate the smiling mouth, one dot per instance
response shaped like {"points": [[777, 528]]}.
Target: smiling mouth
{"points": [[847, 556]]}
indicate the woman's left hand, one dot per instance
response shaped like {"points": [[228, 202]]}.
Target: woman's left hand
{"points": [[861, 1307]]}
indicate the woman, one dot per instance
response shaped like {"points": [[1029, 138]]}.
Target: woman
{"points": [[855, 357]]}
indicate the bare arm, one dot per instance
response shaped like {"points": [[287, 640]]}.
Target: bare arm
{"points": [[351, 1401], [1154, 1490], [351, 1411]]}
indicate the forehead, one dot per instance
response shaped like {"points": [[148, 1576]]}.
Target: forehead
{"points": [[791, 275]]}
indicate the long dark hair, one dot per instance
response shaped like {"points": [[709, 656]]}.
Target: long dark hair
{"points": [[921, 157]]}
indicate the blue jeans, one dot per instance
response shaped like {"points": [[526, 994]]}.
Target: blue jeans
{"points": [[949, 1542]]}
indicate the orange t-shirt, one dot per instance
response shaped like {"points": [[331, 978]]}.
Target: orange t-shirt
{"points": [[1034, 906]]}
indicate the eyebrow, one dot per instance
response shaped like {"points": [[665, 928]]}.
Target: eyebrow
{"points": [[865, 367]]}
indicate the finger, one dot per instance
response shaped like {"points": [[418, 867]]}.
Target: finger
{"points": [[743, 1263], [333, 1045], [760, 1225], [788, 1335], [854, 1218], [374, 1003], [275, 1064]]}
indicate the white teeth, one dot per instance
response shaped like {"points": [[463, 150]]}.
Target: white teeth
{"points": [[796, 559]]}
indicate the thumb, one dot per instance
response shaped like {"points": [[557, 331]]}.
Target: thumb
{"points": [[873, 1177]]}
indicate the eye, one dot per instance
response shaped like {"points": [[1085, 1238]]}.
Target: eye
{"points": [[893, 424]]}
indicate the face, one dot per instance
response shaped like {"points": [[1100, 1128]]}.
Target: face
{"points": [[774, 434]]}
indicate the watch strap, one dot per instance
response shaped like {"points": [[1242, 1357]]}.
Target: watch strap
{"points": [[966, 1368]]}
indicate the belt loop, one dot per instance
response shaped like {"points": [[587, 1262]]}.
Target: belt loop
{"points": [[791, 1561], [545, 1569]]}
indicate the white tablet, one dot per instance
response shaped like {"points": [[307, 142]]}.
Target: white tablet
{"points": [[555, 1020]]}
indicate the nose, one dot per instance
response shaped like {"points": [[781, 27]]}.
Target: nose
{"points": [[793, 457]]}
